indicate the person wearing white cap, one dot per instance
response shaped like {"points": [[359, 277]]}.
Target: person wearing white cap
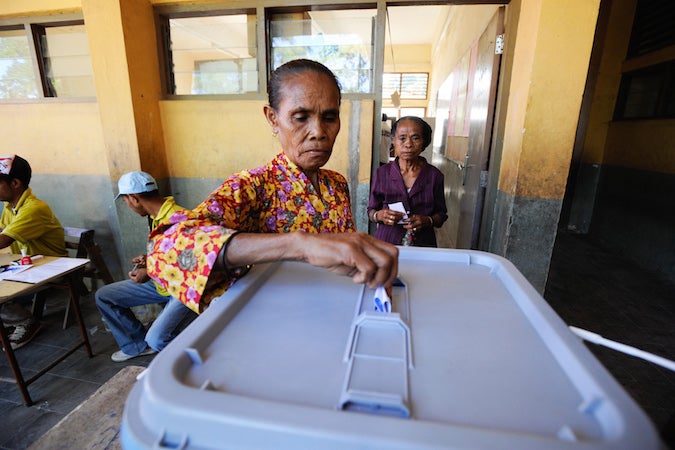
{"points": [[140, 193], [27, 224]]}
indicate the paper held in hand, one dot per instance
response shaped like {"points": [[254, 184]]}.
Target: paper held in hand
{"points": [[382, 300], [398, 207]]}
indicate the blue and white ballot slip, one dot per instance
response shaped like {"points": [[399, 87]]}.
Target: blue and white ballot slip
{"points": [[382, 300]]}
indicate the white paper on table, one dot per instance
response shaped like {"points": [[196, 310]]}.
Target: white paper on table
{"points": [[398, 207], [11, 270], [46, 271]]}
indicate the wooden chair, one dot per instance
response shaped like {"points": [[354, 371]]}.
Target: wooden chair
{"points": [[81, 240]]}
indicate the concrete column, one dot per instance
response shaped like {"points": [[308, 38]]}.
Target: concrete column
{"points": [[547, 56], [124, 56]]}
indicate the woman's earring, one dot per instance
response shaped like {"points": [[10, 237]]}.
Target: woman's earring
{"points": [[275, 132]]}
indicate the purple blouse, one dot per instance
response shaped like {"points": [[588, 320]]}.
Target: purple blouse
{"points": [[425, 198]]}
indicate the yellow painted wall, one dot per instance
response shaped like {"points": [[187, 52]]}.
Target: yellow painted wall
{"points": [[614, 47], [366, 140], [18, 8], [56, 138], [123, 50], [131, 128], [111, 72], [550, 64], [213, 139], [642, 144], [637, 144], [142, 52], [408, 58]]}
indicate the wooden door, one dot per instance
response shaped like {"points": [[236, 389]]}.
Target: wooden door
{"points": [[471, 92]]}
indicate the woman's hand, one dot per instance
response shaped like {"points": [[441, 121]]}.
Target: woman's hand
{"points": [[417, 222], [389, 216], [362, 257], [357, 255]]}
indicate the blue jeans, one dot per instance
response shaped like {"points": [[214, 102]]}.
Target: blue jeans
{"points": [[115, 300]]}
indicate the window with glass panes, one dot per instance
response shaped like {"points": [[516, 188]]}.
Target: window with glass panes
{"points": [[65, 64], [410, 86], [647, 91], [339, 39], [17, 75], [212, 54]]}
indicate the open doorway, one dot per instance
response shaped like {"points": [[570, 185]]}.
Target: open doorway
{"points": [[440, 64]]}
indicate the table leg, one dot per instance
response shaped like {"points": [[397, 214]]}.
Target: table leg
{"points": [[14, 365], [75, 303]]}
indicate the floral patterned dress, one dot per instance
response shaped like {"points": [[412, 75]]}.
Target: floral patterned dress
{"points": [[276, 198]]}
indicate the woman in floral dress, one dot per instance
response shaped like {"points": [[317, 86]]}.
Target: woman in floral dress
{"points": [[289, 209]]}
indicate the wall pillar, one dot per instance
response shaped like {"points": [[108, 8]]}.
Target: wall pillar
{"points": [[124, 57], [545, 68], [604, 81]]}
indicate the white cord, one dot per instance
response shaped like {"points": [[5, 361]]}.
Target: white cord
{"points": [[623, 348]]}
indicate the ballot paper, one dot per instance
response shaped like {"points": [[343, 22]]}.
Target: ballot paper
{"points": [[45, 271], [398, 207], [9, 270], [382, 300]]}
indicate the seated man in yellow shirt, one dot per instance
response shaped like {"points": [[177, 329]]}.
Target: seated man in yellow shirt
{"points": [[27, 223], [115, 301]]}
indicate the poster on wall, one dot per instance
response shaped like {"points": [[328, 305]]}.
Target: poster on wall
{"points": [[454, 102]]}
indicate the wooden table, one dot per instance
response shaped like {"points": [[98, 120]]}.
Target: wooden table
{"points": [[13, 289]]}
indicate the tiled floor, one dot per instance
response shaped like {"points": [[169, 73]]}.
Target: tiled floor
{"points": [[588, 287], [65, 386]]}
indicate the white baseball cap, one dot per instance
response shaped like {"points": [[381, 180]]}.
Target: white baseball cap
{"points": [[136, 183]]}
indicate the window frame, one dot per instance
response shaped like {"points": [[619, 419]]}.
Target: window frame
{"points": [[649, 54], [400, 84], [163, 13], [167, 79], [665, 97], [304, 8], [34, 30]]}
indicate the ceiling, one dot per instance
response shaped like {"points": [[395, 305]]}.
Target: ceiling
{"points": [[409, 25], [415, 24]]}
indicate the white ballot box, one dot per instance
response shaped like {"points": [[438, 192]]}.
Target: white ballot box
{"points": [[471, 356]]}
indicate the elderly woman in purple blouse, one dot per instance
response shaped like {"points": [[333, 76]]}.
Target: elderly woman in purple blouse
{"points": [[409, 183]]}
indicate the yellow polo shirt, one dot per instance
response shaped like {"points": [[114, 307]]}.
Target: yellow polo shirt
{"points": [[165, 212], [33, 226]]}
